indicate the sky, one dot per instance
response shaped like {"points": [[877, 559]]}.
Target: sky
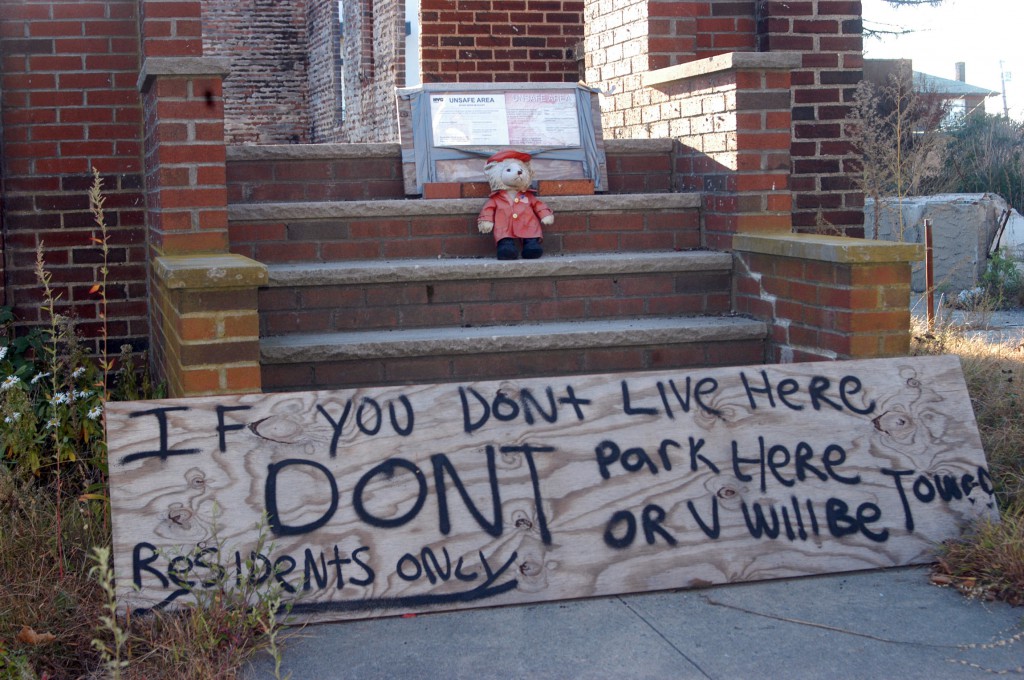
{"points": [[977, 32]]}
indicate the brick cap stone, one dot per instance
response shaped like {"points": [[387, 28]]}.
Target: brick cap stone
{"points": [[181, 67], [204, 272], [732, 61], [639, 146], [423, 342], [263, 212], [838, 249]]}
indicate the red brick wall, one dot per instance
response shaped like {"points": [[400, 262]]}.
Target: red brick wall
{"points": [[500, 40], [70, 104], [683, 31], [828, 33], [374, 65], [268, 44], [171, 28], [324, 70]]}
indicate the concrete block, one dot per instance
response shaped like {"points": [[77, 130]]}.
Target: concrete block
{"points": [[963, 228]]}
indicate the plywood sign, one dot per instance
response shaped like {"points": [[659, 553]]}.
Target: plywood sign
{"points": [[390, 500]]}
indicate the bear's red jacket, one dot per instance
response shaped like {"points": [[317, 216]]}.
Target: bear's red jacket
{"points": [[519, 218]]}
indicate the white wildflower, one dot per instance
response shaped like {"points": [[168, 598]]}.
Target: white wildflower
{"points": [[94, 413], [13, 418], [9, 382], [78, 372], [39, 376], [84, 394], [3, 352], [53, 423], [61, 398]]}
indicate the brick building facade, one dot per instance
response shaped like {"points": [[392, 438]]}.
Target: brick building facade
{"points": [[154, 94]]}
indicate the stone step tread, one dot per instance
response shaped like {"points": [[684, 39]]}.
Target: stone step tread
{"points": [[388, 150], [355, 272], [422, 342], [325, 210]]}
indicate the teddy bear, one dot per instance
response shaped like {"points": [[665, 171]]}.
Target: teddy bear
{"points": [[513, 211]]}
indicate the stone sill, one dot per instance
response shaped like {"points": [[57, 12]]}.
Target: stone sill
{"points": [[837, 249], [325, 210], [181, 67], [274, 152], [206, 272], [733, 61]]}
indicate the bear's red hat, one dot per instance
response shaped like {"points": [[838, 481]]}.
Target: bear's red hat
{"points": [[509, 154]]}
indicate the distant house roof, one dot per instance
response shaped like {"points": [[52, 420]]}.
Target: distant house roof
{"points": [[951, 88]]}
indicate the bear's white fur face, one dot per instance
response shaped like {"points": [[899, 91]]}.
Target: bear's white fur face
{"points": [[508, 174]]}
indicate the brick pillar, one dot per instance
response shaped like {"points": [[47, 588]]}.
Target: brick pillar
{"points": [[206, 322], [731, 116], [826, 297], [202, 298], [828, 35], [186, 183]]}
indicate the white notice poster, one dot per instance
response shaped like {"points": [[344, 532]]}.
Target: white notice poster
{"points": [[469, 120], [543, 119], [524, 119]]}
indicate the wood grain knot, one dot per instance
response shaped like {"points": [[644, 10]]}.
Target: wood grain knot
{"points": [[529, 568], [180, 515], [196, 479]]}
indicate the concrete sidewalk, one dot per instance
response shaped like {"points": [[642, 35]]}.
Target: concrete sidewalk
{"points": [[999, 325], [878, 624]]}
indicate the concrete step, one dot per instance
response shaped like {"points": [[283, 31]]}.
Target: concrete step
{"points": [[364, 295], [329, 231], [332, 360]]}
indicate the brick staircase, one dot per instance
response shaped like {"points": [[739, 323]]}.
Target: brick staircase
{"points": [[367, 287]]}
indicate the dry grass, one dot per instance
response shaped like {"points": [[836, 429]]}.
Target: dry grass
{"points": [[37, 601], [994, 373], [989, 561], [35, 593]]}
